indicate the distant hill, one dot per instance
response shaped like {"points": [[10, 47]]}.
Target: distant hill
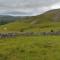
{"points": [[51, 16], [4, 19]]}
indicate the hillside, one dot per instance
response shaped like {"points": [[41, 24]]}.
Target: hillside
{"points": [[49, 16], [5, 19], [44, 22]]}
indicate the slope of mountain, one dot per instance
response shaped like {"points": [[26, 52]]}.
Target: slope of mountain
{"points": [[44, 22], [51, 16], [4, 19]]}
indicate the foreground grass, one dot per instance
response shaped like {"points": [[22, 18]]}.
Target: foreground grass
{"points": [[30, 48]]}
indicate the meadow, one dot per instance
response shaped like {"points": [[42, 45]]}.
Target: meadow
{"points": [[30, 48]]}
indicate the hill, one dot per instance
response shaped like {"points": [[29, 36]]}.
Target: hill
{"points": [[49, 16], [5, 19], [44, 22]]}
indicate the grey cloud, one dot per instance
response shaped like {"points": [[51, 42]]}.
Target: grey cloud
{"points": [[31, 6], [26, 3]]}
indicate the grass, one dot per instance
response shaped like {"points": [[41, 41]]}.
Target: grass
{"points": [[30, 48], [19, 26], [23, 25]]}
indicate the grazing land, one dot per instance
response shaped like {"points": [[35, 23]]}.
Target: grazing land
{"points": [[32, 47]]}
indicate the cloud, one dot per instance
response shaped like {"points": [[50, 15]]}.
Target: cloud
{"points": [[26, 7], [26, 3], [55, 6]]}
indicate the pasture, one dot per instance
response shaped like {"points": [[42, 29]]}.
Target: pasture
{"points": [[30, 48]]}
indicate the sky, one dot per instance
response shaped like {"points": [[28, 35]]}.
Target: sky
{"points": [[27, 7]]}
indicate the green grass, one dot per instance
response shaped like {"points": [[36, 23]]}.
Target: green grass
{"points": [[41, 27], [30, 48]]}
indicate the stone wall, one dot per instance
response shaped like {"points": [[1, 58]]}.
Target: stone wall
{"points": [[15, 34]]}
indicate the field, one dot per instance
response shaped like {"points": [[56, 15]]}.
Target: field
{"points": [[30, 48]]}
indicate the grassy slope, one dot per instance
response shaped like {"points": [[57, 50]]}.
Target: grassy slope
{"points": [[45, 22], [18, 26]]}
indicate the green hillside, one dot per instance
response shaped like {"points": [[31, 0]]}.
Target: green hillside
{"points": [[44, 22]]}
